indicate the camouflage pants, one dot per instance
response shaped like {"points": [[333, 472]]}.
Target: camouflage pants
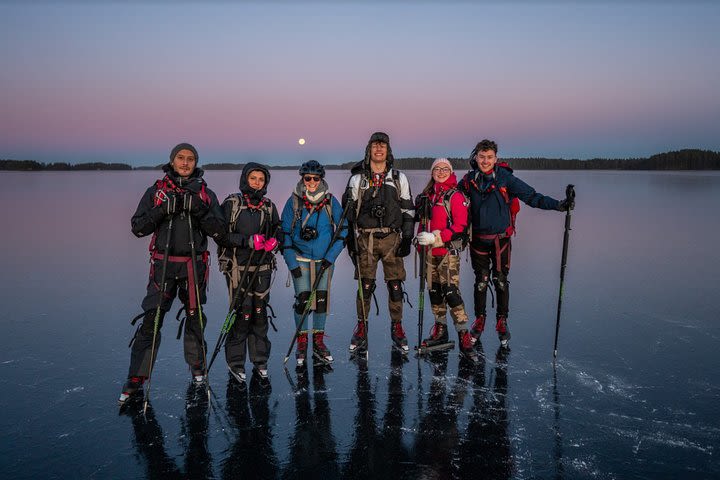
{"points": [[370, 252], [444, 280]]}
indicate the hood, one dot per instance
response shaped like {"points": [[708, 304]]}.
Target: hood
{"points": [[314, 198], [246, 189]]}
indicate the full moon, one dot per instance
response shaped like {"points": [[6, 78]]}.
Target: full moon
{"points": [[301, 141]]}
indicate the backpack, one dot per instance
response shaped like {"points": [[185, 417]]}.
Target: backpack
{"points": [[226, 256], [511, 200]]}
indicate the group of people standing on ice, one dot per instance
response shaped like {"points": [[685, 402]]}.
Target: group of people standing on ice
{"points": [[375, 219]]}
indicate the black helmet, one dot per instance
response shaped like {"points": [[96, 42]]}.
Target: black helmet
{"points": [[312, 167]]}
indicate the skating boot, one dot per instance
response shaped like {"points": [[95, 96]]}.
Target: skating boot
{"points": [[438, 339], [301, 349], [197, 373], [238, 373], [132, 386], [503, 331], [478, 326], [467, 346], [398, 337], [261, 371], [320, 351], [358, 342]]}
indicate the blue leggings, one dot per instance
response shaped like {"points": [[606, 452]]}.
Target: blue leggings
{"points": [[303, 284]]}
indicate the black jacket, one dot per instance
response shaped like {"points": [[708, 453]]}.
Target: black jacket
{"points": [[151, 218]]}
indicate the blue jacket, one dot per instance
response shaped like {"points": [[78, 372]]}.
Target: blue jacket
{"points": [[315, 249], [489, 207]]}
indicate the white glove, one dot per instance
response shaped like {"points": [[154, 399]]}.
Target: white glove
{"points": [[425, 238]]}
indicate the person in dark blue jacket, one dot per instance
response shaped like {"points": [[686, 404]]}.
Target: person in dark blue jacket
{"points": [[491, 188], [309, 220]]}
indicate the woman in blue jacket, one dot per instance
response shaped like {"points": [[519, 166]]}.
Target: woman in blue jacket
{"points": [[309, 219]]}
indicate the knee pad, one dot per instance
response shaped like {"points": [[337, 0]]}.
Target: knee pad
{"points": [[437, 294], [395, 290], [482, 280], [321, 301], [192, 318], [368, 287], [148, 324], [501, 282], [453, 296], [259, 311], [300, 301]]}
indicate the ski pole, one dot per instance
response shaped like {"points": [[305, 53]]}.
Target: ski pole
{"points": [[570, 198], [193, 262], [238, 300], [313, 291], [158, 311], [230, 317], [423, 274]]}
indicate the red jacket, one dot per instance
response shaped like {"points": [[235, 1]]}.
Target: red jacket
{"points": [[439, 224]]}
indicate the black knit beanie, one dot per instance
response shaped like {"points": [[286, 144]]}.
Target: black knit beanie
{"points": [[183, 146]]}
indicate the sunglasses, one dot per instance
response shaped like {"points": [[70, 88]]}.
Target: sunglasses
{"points": [[311, 178]]}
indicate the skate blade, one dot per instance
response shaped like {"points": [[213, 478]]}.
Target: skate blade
{"points": [[320, 360], [435, 348], [402, 349]]}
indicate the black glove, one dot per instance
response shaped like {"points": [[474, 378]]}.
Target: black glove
{"points": [[403, 250], [565, 205], [296, 272], [194, 204], [325, 264]]}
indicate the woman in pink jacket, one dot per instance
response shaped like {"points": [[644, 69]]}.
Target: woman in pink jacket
{"points": [[443, 214]]}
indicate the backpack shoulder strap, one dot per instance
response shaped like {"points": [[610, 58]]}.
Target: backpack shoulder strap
{"points": [[297, 212], [328, 209]]}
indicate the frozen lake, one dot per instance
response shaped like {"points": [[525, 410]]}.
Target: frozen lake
{"points": [[635, 392]]}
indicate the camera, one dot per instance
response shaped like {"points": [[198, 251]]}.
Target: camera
{"points": [[378, 211], [308, 233]]}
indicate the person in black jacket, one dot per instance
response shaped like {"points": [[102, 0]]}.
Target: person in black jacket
{"points": [[491, 188], [252, 239], [180, 195], [382, 216]]}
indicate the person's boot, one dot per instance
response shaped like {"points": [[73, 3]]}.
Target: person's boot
{"points": [[197, 373], [320, 351], [359, 337], [132, 386], [502, 330], [398, 337], [301, 349], [467, 345], [478, 326], [238, 373], [438, 335]]}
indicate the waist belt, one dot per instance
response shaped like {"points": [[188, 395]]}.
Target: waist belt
{"points": [[378, 232], [496, 237], [188, 261]]}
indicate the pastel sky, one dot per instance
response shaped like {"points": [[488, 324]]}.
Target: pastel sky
{"points": [[125, 81]]}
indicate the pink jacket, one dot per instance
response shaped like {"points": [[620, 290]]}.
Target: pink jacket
{"points": [[438, 216]]}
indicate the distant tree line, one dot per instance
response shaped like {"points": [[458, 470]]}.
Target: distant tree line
{"points": [[689, 159], [32, 165]]}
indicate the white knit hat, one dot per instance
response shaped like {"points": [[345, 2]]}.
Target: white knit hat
{"points": [[438, 161]]}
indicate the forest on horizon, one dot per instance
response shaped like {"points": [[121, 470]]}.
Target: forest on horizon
{"points": [[688, 159]]}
